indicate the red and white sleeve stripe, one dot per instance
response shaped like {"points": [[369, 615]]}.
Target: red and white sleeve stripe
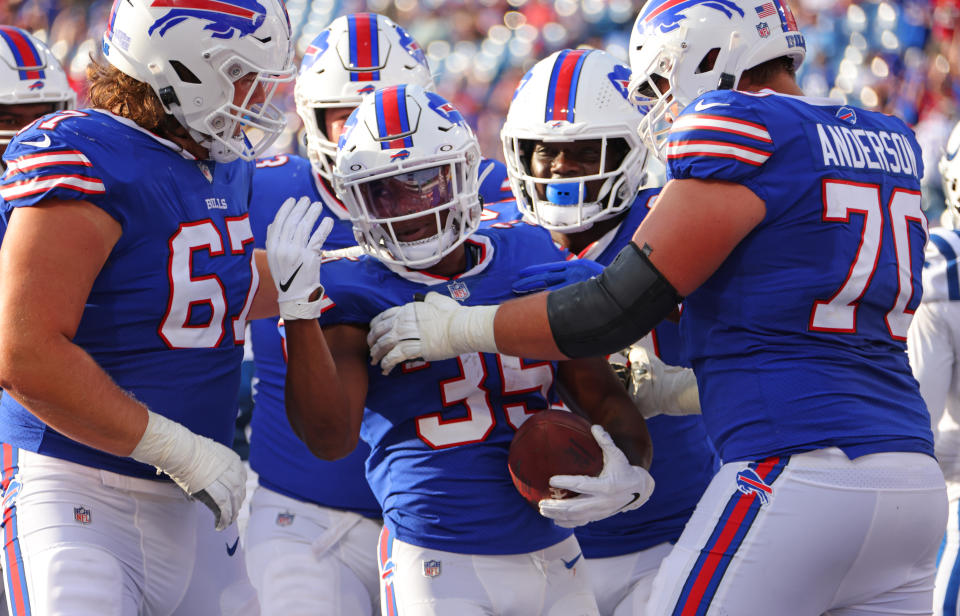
{"points": [[47, 159], [32, 186]]}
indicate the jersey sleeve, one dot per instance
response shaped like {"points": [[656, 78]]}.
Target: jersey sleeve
{"points": [[718, 137], [47, 160], [346, 300]]}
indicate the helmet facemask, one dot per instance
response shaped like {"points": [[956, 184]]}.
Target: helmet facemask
{"points": [[407, 172], [416, 217], [246, 128], [565, 204]]}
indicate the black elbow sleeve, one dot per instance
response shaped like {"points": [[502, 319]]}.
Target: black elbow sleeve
{"points": [[613, 310]]}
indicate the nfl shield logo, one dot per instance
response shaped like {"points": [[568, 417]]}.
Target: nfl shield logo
{"points": [[205, 170], [763, 29], [431, 568], [285, 518], [458, 290], [81, 514]]}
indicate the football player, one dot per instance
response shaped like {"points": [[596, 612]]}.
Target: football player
{"points": [[576, 163], [793, 228], [128, 277], [458, 538], [313, 523], [32, 83], [933, 345]]}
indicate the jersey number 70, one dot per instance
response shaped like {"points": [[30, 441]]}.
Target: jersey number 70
{"points": [[840, 198]]}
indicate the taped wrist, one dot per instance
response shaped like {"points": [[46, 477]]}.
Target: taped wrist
{"points": [[613, 310], [172, 448]]}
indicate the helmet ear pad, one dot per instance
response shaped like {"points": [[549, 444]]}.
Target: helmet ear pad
{"points": [[407, 172]]}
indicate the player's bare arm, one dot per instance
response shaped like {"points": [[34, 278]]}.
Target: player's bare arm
{"points": [[326, 385], [590, 386], [39, 314], [265, 301]]}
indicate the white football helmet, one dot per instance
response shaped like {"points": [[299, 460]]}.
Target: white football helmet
{"points": [[574, 95], [673, 39], [355, 55], [191, 52], [407, 167], [950, 174], [30, 73]]}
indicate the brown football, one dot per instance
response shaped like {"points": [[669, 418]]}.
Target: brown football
{"points": [[552, 443]]}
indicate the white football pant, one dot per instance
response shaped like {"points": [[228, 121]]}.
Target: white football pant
{"points": [[307, 560], [622, 583], [417, 581], [812, 534], [80, 541]]}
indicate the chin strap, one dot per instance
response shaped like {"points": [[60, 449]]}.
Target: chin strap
{"points": [[728, 81]]}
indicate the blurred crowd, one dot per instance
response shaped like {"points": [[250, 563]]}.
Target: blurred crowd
{"points": [[898, 56]]}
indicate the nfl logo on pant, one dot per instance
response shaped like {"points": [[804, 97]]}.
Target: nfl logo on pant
{"points": [[431, 568], [81, 514]]}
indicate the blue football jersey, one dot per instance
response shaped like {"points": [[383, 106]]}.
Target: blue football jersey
{"points": [[798, 339], [684, 460], [440, 431], [283, 462], [166, 315]]}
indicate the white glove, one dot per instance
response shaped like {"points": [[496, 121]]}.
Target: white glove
{"points": [[205, 469], [294, 256], [657, 388], [619, 487], [436, 328]]}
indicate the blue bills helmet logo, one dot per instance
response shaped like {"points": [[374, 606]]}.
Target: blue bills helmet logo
{"points": [[36, 85], [749, 482], [412, 47], [401, 155], [667, 14], [847, 114], [81, 514], [431, 568], [444, 109], [347, 128], [366, 89], [620, 78], [227, 17], [314, 50], [522, 83]]}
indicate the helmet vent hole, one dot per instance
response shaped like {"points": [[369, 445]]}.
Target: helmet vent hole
{"points": [[708, 61], [185, 74]]}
